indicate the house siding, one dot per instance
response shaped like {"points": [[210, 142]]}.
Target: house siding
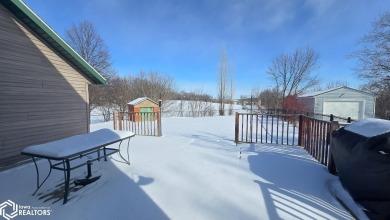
{"points": [[306, 104], [42, 97], [345, 94]]}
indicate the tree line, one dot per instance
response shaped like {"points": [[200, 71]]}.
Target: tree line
{"points": [[119, 90], [293, 74], [373, 59]]}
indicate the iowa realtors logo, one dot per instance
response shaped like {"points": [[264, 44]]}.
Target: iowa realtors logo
{"points": [[9, 210]]}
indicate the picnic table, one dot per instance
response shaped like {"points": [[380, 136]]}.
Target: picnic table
{"points": [[75, 147]]}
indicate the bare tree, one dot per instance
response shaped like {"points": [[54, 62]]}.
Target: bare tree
{"points": [[96, 95], [335, 83], [106, 111], [209, 109], [330, 85], [84, 38], [183, 95], [86, 41], [374, 56], [231, 96], [374, 63], [153, 85], [180, 111], [242, 101], [120, 93], [119, 90], [270, 98], [196, 105], [222, 81], [293, 73], [382, 92], [256, 97], [199, 104]]}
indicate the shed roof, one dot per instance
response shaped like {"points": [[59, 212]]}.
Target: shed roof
{"points": [[314, 94], [139, 100], [39, 27]]}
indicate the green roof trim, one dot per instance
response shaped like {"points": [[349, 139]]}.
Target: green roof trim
{"points": [[36, 24]]}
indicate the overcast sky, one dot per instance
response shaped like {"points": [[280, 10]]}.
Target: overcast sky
{"points": [[184, 38]]}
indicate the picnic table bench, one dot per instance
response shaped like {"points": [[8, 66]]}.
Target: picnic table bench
{"points": [[75, 147]]}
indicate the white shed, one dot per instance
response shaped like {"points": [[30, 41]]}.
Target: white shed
{"points": [[342, 101]]}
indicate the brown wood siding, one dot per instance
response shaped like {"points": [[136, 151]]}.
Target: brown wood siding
{"points": [[42, 97]]}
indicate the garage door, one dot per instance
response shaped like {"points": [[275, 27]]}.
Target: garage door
{"points": [[343, 109]]}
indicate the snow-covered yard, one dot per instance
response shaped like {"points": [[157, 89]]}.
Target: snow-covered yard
{"points": [[194, 171]]}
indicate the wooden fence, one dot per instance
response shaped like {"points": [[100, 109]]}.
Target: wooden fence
{"points": [[141, 123], [288, 129]]}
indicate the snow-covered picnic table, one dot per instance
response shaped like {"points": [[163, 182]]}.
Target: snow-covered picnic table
{"points": [[75, 147]]}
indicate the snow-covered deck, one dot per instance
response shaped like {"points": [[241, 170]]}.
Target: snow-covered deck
{"points": [[193, 172]]}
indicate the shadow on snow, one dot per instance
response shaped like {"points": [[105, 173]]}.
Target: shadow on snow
{"points": [[292, 183]]}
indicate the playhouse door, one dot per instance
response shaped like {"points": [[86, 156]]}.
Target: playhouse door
{"points": [[147, 113]]}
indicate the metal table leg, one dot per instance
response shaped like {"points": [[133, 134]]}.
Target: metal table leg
{"points": [[37, 170], [120, 154], [67, 179]]}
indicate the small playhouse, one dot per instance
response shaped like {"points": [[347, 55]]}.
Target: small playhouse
{"points": [[143, 109]]}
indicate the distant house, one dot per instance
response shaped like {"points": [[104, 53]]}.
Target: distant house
{"points": [[342, 101], [43, 83], [144, 105]]}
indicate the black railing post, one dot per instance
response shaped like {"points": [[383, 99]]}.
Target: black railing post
{"points": [[89, 169], [331, 164], [300, 131], [159, 117], [236, 128]]}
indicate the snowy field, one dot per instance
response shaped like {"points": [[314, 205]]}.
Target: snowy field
{"points": [[193, 172], [181, 108]]}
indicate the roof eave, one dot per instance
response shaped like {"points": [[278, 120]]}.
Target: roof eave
{"points": [[141, 100], [334, 89]]}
